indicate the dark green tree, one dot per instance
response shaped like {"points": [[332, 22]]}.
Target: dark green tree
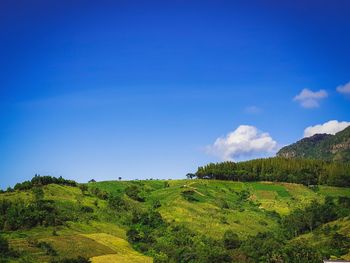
{"points": [[231, 240]]}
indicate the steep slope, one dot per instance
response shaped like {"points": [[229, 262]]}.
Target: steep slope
{"points": [[321, 146]]}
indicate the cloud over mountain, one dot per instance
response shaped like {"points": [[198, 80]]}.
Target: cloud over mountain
{"points": [[330, 127], [244, 141]]}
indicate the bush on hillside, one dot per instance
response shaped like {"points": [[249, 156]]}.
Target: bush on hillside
{"points": [[134, 192], [38, 180], [16, 215], [231, 240], [4, 246], [189, 195]]}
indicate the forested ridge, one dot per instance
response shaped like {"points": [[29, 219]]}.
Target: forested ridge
{"points": [[278, 169], [325, 147]]}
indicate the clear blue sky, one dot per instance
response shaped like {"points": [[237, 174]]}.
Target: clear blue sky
{"points": [[140, 89]]}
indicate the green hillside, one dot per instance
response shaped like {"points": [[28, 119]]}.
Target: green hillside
{"points": [[84, 236], [218, 204], [329, 237], [321, 146], [165, 221]]}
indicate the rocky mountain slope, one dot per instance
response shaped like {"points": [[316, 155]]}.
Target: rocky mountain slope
{"points": [[321, 146]]}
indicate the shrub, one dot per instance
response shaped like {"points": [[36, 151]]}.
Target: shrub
{"points": [[231, 240], [117, 202], [49, 250], [299, 251], [4, 246], [20, 215], [189, 195], [134, 192], [156, 204], [87, 209], [83, 188]]}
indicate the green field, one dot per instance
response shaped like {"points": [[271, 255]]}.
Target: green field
{"points": [[247, 208]]}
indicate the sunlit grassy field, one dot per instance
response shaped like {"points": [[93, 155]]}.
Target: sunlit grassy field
{"points": [[217, 207]]}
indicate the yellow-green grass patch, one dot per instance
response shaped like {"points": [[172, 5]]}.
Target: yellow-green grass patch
{"points": [[334, 191], [73, 246], [17, 195], [263, 194], [122, 249], [22, 246], [269, 186], [116, 258], [208, 219]]}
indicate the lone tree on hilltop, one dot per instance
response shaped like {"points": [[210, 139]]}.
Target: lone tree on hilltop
{"points": [[190, 176]]}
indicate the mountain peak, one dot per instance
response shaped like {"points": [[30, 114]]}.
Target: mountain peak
{"points": [[320, 146]]}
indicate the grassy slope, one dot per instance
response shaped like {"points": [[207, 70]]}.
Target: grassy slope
{"points": [[207, 215], [83, 238], [317, 238], [218, 208]]}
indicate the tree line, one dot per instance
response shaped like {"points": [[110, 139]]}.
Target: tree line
{"points": [[39, 180], [302, 171]]}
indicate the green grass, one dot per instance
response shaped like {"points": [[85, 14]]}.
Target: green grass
{"points": [[76, 245], [267, 186], [318, 239], [334, 191], [121, 250], [70, 240], [218, 207]]}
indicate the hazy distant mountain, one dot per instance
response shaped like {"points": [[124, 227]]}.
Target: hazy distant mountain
{"points": [[321, 146]]}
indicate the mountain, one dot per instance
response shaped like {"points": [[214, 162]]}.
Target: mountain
{"points": [[321, 146]]}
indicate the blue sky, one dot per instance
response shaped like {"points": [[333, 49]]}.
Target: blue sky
{"points": [[140, 89]]}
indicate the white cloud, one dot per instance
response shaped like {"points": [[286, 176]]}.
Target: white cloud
{"points": [[244, 141], [330, 127], [252, 110], [344, 89], [310, 99]]}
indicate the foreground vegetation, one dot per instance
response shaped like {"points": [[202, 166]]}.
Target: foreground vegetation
{"points": [[174, 221]]}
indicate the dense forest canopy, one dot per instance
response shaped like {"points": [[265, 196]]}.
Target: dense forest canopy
{"points": [[277, 169]]}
